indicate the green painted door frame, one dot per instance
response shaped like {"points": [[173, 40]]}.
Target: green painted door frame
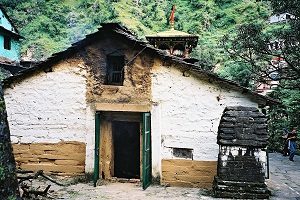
{"points": [[146, 159], [147, 163], [97, 147]]}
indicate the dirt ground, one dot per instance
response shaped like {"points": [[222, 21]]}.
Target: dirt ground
{"points": [[284, 183], [86, 191]]}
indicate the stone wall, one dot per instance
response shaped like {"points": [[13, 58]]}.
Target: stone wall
{"points": [[188, 173], [242, 134], [242, 164], [63, 158]]}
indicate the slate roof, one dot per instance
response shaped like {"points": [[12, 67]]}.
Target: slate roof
{"points": [[243, 126], [13, 69], [12, 66], [6, 61], [124, 32]]}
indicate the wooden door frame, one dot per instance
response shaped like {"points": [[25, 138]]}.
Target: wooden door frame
{"points": [[97, 148]]}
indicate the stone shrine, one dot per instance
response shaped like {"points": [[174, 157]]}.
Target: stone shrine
{"points": [[242, 135]]}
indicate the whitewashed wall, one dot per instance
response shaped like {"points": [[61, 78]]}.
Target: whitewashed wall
{"points": [[189, 113], [48, 107], [90, 139], [51, 107]]}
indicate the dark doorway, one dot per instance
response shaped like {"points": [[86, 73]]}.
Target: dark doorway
{"points": [[126, 141]]}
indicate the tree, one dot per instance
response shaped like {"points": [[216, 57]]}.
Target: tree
{"points": [[238, 72], [272, 51], [50, 26], [8, 180], [53, 25]]}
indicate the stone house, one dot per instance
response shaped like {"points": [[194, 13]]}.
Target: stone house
{"points": [[114, 106]]}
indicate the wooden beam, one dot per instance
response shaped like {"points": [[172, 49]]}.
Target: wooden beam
{"points": [[123, 107]]}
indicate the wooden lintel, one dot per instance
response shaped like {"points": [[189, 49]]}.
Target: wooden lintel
{"points": [[122, 107]]}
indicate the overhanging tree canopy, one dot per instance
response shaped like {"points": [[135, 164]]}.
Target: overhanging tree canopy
{"points": [[271, 50]]}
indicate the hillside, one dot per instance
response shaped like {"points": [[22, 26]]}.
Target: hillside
{"points": [[51, 26]]}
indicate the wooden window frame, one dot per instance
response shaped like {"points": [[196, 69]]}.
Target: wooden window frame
{"points": [[115, 70]]}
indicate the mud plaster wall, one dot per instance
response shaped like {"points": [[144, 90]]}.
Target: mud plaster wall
{"points": [[188, 173], [136, 88], [63, 158], [186, 113], [137, 80]]}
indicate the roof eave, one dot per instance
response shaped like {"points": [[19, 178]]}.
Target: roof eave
{"points": [[117, 28], [8, 18], [11, 33]]}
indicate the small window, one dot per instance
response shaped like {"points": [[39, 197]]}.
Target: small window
{"points": [[7, 43], [115, 70], [183, 153]]}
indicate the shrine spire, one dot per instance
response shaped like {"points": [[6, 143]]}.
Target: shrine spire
{"points": [[174, 42], [172, 17]]}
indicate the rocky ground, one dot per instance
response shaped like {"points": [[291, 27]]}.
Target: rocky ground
{"points": [[284, 183]]}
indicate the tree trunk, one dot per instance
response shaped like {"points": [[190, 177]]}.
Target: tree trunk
{"points": [[9, 188]]}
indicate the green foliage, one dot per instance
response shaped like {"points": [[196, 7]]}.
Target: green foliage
{"points": [[291, 103], [250, 45], [12, 197], [2, 175], [239, 72], [285, 115], [52, 25]]}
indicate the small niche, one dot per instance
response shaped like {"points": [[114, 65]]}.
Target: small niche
{"points": [[183, 153]]}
